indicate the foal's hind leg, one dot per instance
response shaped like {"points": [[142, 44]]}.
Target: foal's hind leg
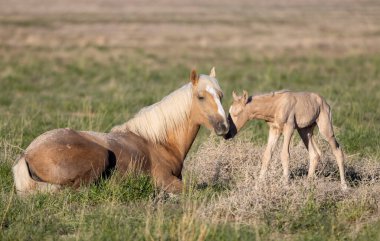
{"points": [[325, 128], [314, 152]]}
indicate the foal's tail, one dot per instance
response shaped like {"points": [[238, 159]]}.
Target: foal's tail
{"points": [[324, 120], [23, 181]]}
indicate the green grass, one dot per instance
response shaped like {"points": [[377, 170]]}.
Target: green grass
{"points": [[89, 93], [96, 88]]}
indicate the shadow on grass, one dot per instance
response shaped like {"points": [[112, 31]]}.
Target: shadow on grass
{"points": [[354, 175]]}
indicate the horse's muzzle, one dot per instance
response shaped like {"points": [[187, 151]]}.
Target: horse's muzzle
{"points": [[232, 130], [220, 125], [221, 128]]}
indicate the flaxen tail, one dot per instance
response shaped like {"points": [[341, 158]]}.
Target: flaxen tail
{"points": [[23, 181], [25, 184]]}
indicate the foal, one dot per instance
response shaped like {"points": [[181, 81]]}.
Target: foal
{"points": [[285, 111]]}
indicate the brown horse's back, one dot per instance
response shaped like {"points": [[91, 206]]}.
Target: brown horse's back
{"points": [[65, 157]]}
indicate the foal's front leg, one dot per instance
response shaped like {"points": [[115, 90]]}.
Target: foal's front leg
{"points": [[288, 133], [274, 134]]}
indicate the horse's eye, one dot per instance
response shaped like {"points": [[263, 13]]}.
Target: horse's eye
{"points": [[200, 97]]}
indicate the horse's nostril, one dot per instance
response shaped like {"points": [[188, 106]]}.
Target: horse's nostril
{"points": [[224, 128], [221, 128]]}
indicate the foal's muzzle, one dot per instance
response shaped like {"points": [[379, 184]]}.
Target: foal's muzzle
{"points": [[232, 130]]}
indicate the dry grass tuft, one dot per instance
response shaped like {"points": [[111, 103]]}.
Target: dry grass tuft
{"points": [[235, 165]]}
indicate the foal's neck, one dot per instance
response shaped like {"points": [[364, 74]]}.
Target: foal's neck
{"points": [[262, 107]]}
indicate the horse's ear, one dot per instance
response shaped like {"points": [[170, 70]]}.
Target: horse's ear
{"points": [[212, 72], [245, 96], [234, 96], [194, 77]]}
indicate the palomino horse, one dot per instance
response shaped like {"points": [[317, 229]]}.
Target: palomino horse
{"points": [[285, 111], [156, 141]]}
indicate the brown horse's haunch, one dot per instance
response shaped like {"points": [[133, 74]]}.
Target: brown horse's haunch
{"points": [[155, 142], [286, 111]]}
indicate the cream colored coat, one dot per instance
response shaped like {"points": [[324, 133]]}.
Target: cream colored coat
{"points": [[286, 111]]}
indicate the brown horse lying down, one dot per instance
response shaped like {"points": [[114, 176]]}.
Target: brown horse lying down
{"points": [[154, 142], [285, 111]]}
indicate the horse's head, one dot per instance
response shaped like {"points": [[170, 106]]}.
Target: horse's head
{"points": [[207, 107], [237, 117]]}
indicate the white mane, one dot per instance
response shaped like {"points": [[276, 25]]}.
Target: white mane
{"points": [[273, 93], [155, 121]]}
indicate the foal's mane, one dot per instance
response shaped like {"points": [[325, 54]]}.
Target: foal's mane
{"points": [[273, 93], [153, 122]]}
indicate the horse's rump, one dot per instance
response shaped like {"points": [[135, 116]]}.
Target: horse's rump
{"points": [[65, 157]]}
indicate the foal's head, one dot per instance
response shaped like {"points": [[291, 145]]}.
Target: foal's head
{"points": [[207, 108], [237, 117]]}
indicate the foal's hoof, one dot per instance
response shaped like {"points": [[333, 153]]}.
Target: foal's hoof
{"points": [[311, 177], [285, 181], [173, 196], [344, 187]]}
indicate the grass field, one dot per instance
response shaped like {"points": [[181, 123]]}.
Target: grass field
{"points": [[90, 66]]}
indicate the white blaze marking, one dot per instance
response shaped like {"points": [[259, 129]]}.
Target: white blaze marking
{"points": [[217, 100]]}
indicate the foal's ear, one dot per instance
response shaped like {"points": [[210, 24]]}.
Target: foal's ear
{"points": [[245, 96], [194, 77], [212, 72], [234, 96]]}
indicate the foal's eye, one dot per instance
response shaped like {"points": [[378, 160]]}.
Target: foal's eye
{"points": [[200, 97]]}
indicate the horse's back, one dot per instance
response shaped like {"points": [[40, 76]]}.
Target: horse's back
{"points": [[131, 151], [63, 156]]}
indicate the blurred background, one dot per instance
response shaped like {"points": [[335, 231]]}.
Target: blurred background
{"points": [[339, 27]]}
